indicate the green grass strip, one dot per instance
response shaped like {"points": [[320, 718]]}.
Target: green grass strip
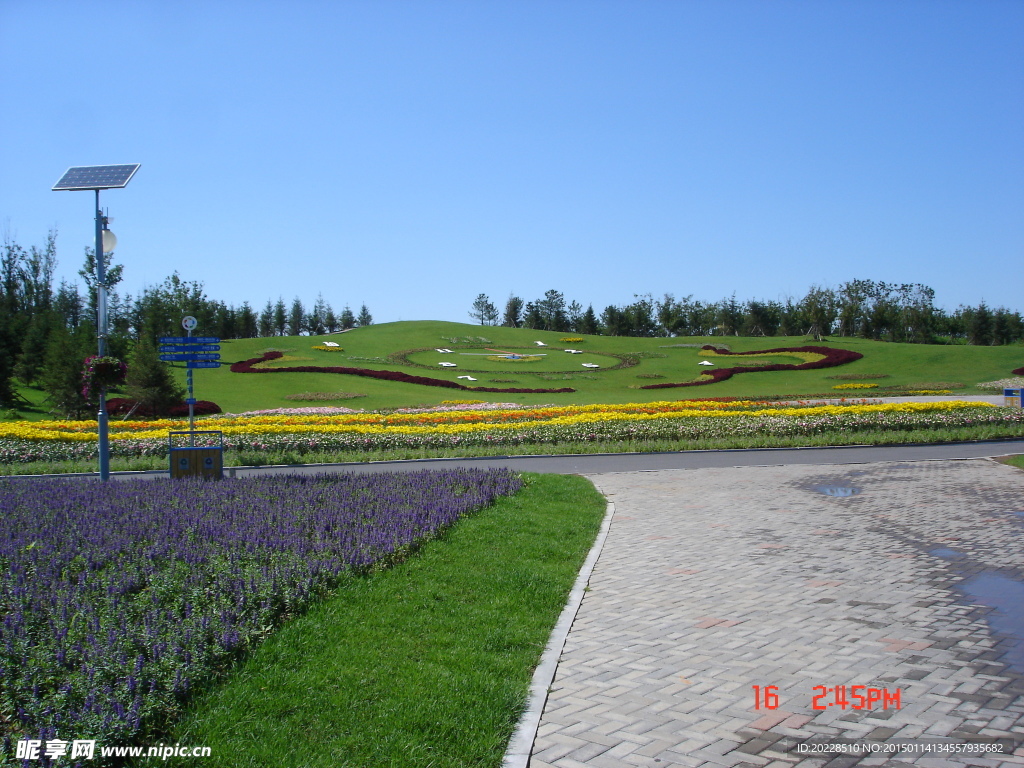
{"points": [[426, 664], [1014, 461]]}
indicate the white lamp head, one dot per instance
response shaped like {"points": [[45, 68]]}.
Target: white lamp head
{"points": [[109, 241]]}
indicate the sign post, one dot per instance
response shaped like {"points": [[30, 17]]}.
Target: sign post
{"points": [[195, 352]]}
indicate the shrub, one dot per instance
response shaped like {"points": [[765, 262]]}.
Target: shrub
{"points": [[122, 406]]}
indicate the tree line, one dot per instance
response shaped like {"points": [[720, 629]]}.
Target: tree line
{"points": [[46, 331], [861, 308]]}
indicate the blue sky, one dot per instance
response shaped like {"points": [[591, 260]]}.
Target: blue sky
{"points": [[410, 155]]}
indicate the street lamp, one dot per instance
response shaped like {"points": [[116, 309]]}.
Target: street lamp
{"points": [[97, 177]]}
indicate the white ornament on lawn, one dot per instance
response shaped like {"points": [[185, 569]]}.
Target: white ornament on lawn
{"points": [[448, 365], [468, 378], [704, 362], [540, 343], [444, 351], [591, 365], [331, 344]]}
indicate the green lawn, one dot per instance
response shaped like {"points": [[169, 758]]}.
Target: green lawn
{"points": [[425, 664], [904, 364], [409, 347]]}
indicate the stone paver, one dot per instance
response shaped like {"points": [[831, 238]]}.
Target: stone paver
{"points": [[806, 578]]}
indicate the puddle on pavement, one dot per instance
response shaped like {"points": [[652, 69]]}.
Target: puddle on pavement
{"points": [[947, 554], [837, 491], [1007, 597]]}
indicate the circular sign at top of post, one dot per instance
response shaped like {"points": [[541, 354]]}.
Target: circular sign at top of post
{"points": [[189, 323]]}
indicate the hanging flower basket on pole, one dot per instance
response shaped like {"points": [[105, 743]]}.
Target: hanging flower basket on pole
{"points": [[102, 373]]}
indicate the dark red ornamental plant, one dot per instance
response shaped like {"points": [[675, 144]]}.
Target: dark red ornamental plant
{"points": [[832, 357], [247, 366], [122, 406]]}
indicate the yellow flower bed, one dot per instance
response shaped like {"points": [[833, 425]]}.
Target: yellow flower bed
{"points": [[453, 422], [572, 339], [855, 386], [807, 357]]}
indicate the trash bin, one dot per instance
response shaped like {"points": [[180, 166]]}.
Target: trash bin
{"points": [[191, 460], [1013, 398]]}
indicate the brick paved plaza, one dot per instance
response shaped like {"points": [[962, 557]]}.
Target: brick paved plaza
{"points": [[712, 581]]}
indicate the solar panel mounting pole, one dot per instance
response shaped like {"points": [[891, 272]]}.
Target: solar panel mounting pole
{"points": [[97, 177], [102, 417]]}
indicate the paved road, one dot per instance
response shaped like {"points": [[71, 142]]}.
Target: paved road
{"points": [[632, 462], [903, 577]]}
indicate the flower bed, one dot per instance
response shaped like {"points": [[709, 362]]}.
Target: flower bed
{"points": [[118, 599], [814, 357], [248, 366], [500, 424]]}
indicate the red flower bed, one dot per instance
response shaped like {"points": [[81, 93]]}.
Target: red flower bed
{"points": [[1018, 371], [832, 358], [246, 366], [120, 406]]}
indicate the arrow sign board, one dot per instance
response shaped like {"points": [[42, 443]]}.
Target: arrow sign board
{"points": [[189, 340], [190, 347], [202, 364], [187, 358]]}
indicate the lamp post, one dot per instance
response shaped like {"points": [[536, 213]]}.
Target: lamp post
{"points": [[97, 177]]}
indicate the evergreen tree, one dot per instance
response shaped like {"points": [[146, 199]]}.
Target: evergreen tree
{"points": [[61, 377], [588, 322], [317, 318], [552, 311], [330, 320], [280, 317], [265, 324], [112, 276], [484, 312], [150, 382], [33, 349], [532, 317], [347, 320], [297, 318], [981, 325], [7, 353], [68, 305], [365, 318], [513, 312], [248, 326], [614, 322]]}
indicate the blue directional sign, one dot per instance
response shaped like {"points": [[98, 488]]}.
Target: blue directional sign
{"points": [[190, 347], [189, 340], [202, 364], [187, 358]]}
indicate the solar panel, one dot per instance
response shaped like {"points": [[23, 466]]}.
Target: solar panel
{"points": [[97, 177]]}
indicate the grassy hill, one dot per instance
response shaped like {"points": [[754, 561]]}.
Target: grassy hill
{"points": [[625, 365], [410, 347]]}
